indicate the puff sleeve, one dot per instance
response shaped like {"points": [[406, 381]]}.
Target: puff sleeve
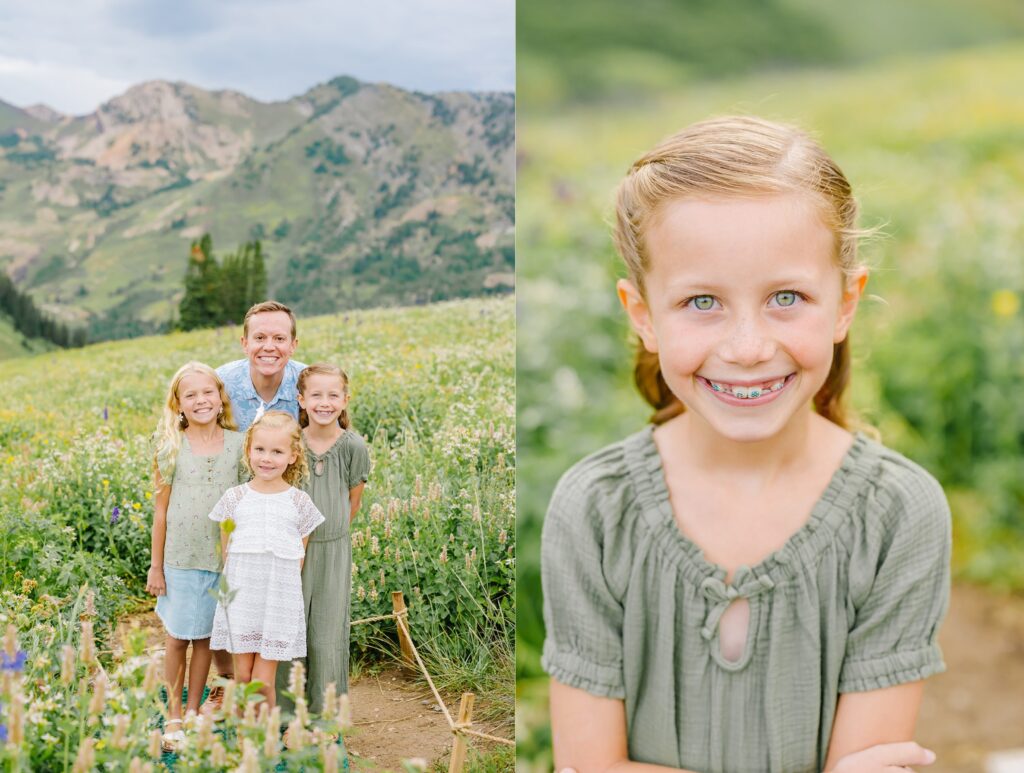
{"points": [[899, 581], [357, 461], [582, 614]]}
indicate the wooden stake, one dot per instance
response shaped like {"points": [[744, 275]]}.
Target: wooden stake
{"points": [[398, 605], [459, 744]]}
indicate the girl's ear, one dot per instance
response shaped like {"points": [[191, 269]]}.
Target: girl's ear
{"points": [[302, 402], [852, 293], [639, 313]]}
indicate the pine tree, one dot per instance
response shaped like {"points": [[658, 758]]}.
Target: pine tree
{"points": [[257, 287], [201, 306]]}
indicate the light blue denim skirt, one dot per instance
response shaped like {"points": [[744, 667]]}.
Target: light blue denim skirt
{"points": [[186, 610]]}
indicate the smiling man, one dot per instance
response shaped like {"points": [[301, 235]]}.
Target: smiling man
{"points": [[265, 380]]}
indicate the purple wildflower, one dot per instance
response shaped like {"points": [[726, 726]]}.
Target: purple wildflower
{"points": [[3, 733], [115, 514], [106, 415], [17, 663]]}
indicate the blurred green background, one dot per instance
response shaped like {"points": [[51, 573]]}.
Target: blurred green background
{"points": [[922, 104]]}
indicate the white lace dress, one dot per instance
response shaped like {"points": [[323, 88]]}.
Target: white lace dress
{"points": [[266, 616]]}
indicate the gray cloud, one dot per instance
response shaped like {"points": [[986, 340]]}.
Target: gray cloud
{"points": [[74, 55]]}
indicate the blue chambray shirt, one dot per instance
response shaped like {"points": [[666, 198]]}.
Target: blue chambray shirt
{"points": [[246, 403]]}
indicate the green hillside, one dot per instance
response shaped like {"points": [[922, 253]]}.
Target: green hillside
{"points": [[583, 49], [16, 345], [362, 194]]}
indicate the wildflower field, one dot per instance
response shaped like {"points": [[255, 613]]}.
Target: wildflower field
{"points": [[433, 392], [933, 149]]}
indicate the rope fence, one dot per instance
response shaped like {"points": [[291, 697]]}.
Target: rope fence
{"points": [[411, 656]]}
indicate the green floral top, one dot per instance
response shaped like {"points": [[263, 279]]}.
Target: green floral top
{"points": [[197, 482], [852, 602]]}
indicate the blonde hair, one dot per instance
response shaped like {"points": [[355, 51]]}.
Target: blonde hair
{"points": [[729, 157], [263, 308], [322, 369], [172, 423], [297, 471]]}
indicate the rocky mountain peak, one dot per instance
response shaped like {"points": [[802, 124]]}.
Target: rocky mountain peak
{"points": [[159, 101], [44, 113]]}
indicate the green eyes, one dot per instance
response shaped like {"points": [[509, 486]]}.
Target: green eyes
{"points": [[781, 299], [785, 298]]}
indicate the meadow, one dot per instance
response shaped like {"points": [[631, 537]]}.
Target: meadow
{"points": [[933, 147], [432, 390]]}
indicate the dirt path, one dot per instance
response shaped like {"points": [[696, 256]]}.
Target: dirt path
{"points": [[396, 719], [395, 716], [977, 706]]}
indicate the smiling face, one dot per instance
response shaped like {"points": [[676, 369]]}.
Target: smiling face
{"points": [[271, 452], [743, 305], [199, 398], [269, 343], [323, 398]]}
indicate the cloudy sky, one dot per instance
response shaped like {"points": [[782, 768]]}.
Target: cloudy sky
{"points": [[74, 54]]}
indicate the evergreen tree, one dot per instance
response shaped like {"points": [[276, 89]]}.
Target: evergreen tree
{"points": [[217, 294], [201, 306], [257, 287], [29, 320]]}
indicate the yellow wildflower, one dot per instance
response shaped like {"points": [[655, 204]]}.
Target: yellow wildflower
{"points": [[1005, 303]]}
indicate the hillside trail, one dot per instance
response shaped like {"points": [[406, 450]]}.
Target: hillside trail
{"points": [[394, 715]]}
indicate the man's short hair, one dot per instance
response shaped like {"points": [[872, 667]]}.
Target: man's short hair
{"points": [[266, 306]]}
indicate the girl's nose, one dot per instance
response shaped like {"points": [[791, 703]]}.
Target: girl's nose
{"points": [[748, 343]]}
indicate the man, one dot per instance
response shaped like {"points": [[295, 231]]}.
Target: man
{"points": [[265, 380]]}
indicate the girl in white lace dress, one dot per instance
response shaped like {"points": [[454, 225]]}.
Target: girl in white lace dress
{"points": [[264, 622]]}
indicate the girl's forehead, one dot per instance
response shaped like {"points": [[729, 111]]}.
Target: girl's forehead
{"points": [[323, 381], [271, 435], [196, 380], [767, 232]]}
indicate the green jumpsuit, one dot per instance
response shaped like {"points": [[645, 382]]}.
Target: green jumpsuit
{"points": [[327, 570]]}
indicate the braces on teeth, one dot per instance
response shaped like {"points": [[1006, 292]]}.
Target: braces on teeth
{"points": [[747, 393]]}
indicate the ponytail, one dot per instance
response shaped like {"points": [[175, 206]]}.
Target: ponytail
{"points": [[651, 384], [829, 401]]}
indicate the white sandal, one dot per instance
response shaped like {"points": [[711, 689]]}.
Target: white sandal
{"points": [[173, 740]]}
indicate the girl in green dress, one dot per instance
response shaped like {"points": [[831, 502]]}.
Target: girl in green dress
{"points": [[339, 465], [746, 586]]}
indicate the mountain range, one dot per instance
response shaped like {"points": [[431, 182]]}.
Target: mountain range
{"points": [[362, 195]]}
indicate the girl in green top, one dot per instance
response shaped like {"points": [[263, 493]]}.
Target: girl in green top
{"points": [[197, 460], [747, 586]]}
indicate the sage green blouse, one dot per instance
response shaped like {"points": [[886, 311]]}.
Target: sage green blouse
{"points": [[851, 602], [341, 467], [197, 482]]}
